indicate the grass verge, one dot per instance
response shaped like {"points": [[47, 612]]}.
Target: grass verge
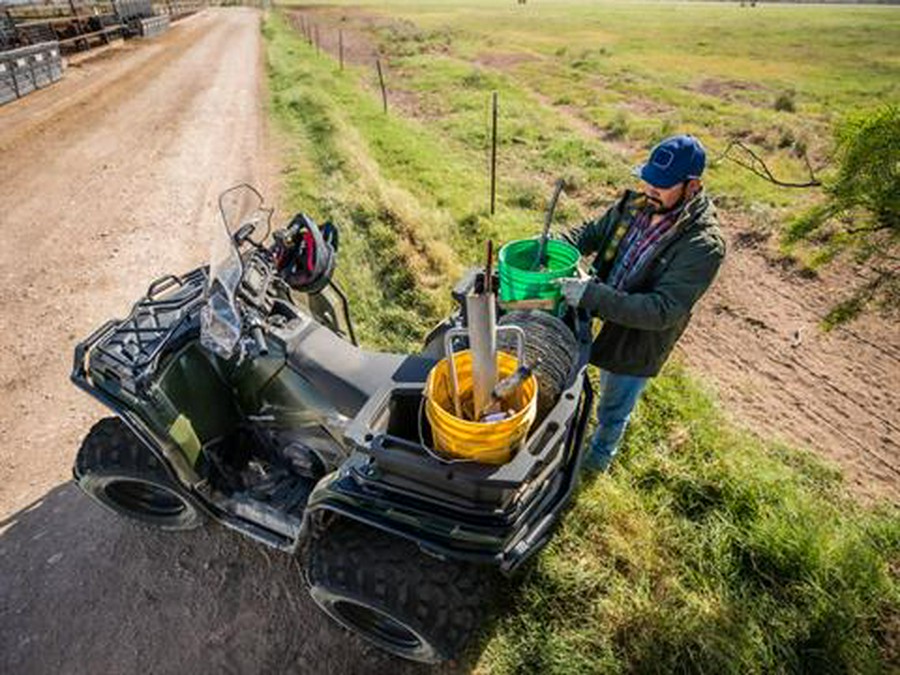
{"points": [[706, 550]]}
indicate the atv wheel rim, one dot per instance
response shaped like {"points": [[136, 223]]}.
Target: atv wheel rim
{"points": [[377, 625], [145, 498]]}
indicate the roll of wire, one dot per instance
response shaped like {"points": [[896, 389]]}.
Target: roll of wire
{"points": [[550, 344]]}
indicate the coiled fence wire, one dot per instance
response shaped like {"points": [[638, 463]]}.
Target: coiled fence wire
{"points": [[549, 340]]}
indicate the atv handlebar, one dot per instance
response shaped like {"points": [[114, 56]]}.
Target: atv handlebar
{"points": [[256, 332]]}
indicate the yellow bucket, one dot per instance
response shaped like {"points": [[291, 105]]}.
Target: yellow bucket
{"points": [[487, 442]]}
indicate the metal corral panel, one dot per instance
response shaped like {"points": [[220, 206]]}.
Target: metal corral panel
{"points": [[153, 26], [23, 75], [8, 38], [37, 33], [40, 69], [28, 68], [133, 9], [7, 84]]}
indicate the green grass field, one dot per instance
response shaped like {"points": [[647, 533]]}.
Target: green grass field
{"points": [[632, 73], [704, 550]]}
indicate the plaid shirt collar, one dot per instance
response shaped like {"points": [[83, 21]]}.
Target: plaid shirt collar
{"points": [[644, 237]]}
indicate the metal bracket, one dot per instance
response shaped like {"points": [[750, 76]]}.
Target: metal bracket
{"points": [[462, 332]]}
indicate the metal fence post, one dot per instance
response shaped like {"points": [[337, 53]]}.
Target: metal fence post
{"points": [[493, 152]]}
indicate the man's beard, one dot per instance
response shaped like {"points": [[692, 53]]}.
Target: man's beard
{"points": [[657, 208]]}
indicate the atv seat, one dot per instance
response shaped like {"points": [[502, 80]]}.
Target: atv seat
{"points": [[347, 374]]}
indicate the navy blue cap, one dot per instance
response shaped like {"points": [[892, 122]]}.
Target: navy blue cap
{"points": [[673, 161]]}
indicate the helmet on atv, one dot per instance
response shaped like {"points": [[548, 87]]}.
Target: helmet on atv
{"points": [[305, 254]]}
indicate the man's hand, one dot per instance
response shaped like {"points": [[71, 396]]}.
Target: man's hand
{"points": [[573, 289]]}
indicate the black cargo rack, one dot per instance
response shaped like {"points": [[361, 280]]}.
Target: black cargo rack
{"points": [[501, 535], [128, 350]]}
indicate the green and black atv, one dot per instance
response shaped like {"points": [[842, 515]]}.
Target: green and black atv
{"points": [[240, 396]]}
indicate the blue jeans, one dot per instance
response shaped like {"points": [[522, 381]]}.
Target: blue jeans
{"points": [[618, 396]]}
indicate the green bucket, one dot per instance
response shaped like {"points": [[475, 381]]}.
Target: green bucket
{"points": [[519, 278]]}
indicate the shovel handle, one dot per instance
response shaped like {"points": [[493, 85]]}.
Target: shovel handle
{"points": [[548, 220], [536, 303]]}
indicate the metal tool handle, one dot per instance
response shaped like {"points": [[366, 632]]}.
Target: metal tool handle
{"points": [[256, 332], [448, 350], [520, 341], [548, 221]]}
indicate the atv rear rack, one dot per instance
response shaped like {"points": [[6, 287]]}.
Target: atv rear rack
{"points": [[490, 514], [503, 534]]}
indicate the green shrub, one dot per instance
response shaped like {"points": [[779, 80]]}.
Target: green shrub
{"points": [[524, 196], [474, 79], [861, 211], [784, 102], [868, 156], [618, 128]]}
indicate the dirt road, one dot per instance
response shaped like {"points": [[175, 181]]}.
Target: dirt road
{"points": [[757, 337], [109, 179]]}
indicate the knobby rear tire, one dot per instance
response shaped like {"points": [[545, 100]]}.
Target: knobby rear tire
{"points": [[388, 591]]}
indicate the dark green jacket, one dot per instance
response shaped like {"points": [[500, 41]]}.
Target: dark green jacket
{"points": [[642, 322]]}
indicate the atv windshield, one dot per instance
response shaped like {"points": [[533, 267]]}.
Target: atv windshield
{"points": [[244, 220]]}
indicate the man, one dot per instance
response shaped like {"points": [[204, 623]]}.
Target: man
{"points": [[657, 251]]}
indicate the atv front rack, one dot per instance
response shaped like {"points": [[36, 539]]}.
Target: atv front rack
{"points": [[127, 351]]}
